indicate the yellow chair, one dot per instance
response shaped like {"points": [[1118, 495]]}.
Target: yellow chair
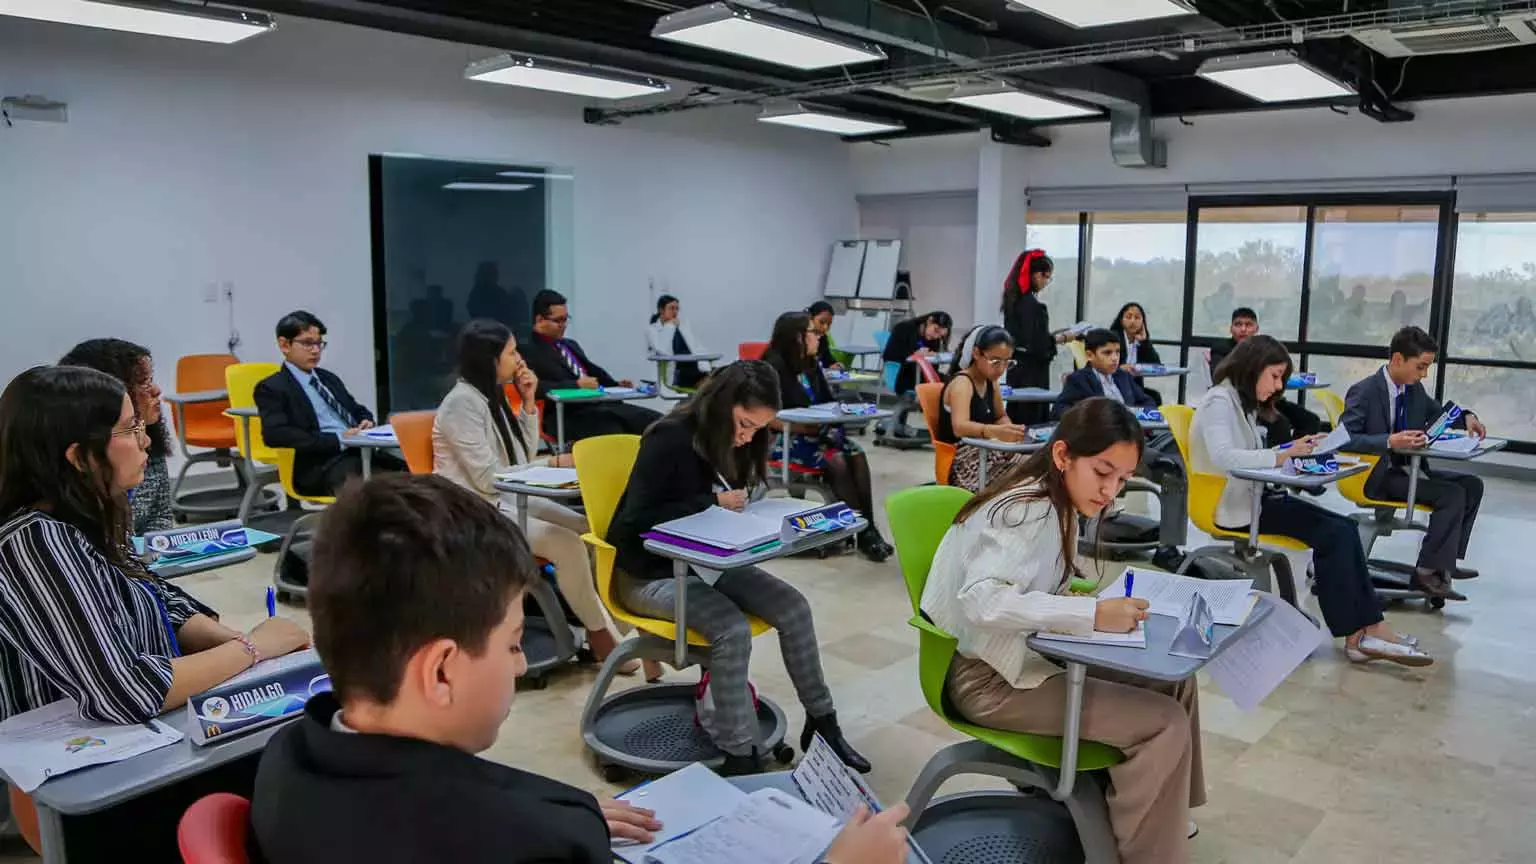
{"points": [[1079, 353], [1333, 405], [667, 739], [1243, 555], [257, 459]]}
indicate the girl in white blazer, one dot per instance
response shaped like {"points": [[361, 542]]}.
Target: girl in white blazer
{"points": [[1225, 438], [669, 334], [476, 436], [1001, 574]]}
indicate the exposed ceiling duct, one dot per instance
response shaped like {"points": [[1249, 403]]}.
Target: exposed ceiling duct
{"points": [[1123, 96]]}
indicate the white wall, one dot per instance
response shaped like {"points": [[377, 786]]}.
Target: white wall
{"points": [[938, 246], [183, 164]]}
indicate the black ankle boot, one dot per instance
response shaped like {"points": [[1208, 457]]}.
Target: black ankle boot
{"points": [[873, 546], [830, 732], [741, 766]]}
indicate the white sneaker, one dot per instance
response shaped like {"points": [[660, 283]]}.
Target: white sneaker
{"points": [[1371, 648], [1193, 829]]}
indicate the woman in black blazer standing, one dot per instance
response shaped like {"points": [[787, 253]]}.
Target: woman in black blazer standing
{"points": [[1029, 323], [1136, 348]]}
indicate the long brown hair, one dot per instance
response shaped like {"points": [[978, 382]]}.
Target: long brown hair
{"points": [[1246, 364], [1088, 428], [43, 411], [745, 383]]}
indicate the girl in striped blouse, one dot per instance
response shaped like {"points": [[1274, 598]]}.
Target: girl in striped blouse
{"points": [[80, 615]]}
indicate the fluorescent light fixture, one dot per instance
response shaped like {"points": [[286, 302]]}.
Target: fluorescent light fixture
{"points": [[467, 186], [827, 120], [1019, 103], [149, 17], [722, 27], [559, 76], [1097, 13], [534, 175], [1272, 76]]}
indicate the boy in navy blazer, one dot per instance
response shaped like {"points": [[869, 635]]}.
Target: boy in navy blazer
{"points": [[1390, 410], [1101, 377]]}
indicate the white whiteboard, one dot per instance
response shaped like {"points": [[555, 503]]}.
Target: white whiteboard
{"points": [[878, 280], [862, 327], [845, 270]]}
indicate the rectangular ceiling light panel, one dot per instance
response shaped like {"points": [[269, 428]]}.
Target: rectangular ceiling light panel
{"points": [[1018, 103], [1097, 13], [147, 17], [1276, 76], [827, 120], [721, 27], [558, 76]]}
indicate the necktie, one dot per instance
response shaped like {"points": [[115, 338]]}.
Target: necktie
{"points": [[570, 359], [1400, 414], [330, 401]]}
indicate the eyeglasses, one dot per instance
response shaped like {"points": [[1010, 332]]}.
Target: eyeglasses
{"points": [[561, 320], [136, 430], [311, 344], [998, 363]]}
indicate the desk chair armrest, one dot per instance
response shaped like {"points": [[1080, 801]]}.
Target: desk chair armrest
{"points": [[1142, 484]]}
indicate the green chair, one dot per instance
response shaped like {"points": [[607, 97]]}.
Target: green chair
{"points": [[919, 518]]}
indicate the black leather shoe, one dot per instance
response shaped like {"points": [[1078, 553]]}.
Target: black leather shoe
{"points": [[1464, 573], [1434, 585], [741, 766], [830, 732], [873, 546]]}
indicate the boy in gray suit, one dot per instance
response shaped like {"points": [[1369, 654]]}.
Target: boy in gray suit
{"points": [[1389, 411]]}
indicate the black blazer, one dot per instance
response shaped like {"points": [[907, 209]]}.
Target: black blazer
{"points": [[288, 421], [324, 796], [545, 361], [1029, 323], [791, 394], [670, 480], [1084, 384], [1220, 350], [1368, 417], [905, 341]]}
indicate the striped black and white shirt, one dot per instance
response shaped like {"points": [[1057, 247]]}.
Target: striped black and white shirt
{"points": [[73, 625]]}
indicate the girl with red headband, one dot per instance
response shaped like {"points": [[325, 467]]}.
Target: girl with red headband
{"points": [[1028, 322]]}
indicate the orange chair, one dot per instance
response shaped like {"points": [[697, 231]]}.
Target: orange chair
{"points": [[413, 429], [213, 830], [928, 395], [24, 815], [751, 350], [515, 402], [202, 424]]}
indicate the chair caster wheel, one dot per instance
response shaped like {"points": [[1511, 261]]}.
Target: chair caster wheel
{"points": [[1437, 602], [615, 773], [784, 754]]}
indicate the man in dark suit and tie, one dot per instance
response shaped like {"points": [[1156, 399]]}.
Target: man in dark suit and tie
{"points": [[562, 365], [307, 409], [1390, 410]]}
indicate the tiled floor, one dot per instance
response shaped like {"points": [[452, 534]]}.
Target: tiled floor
{"points": [[1341, 764]]}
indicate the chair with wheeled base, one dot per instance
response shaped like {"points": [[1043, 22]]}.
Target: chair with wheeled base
{"points": [[257, 461], [1379, 519], [300, 535], [205, 435], [894, 433], [1069, 821], [649, 729], [1269, 569]]}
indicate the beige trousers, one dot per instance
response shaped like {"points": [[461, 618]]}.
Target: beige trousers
{"points": [[1156, 725], [554, 534]]}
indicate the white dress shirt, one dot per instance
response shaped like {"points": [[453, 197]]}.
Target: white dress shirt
{"points": [[1110, 388]]}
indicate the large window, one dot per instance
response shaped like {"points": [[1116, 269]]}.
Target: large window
{"points": [[1057, 234], [1492, 319], [1249, 256], [1373, 272], [1138, 257]]}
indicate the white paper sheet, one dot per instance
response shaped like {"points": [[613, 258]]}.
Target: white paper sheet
{"points": [[1334, 440], [683, 801], [541, 475], [1135, 639], [1462, 444], [1250, 668], [758, 524], [52, 740], [829, 785], [1168, 594], [620, 391], [769, 827]]}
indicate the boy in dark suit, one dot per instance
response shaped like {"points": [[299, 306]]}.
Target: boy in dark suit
{"points": [[1101, 377], [562, 365], [1390, 410], [307, 409], [417, 601]]}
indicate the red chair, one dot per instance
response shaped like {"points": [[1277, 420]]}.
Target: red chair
{"points": [[213, 830], [751, 350]]}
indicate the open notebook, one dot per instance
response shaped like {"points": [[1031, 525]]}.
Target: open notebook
{"points": [[726, 532]]}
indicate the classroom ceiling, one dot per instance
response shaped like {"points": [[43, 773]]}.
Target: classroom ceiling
{"points": [[1142, 69]]}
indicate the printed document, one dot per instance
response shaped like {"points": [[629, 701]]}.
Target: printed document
{"points": [[683, 801], [1333, 441], [1255, 661], [52, 740], [770, 827], [829, 786], [1168, 594]]}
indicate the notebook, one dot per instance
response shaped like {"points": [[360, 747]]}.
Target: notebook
{"points": [[1135, 639], [731, 532]]}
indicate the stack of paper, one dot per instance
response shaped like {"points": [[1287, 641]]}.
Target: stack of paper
{"points": [[541, 475], [52, 740], [725, 532], [683, 801], [1167, 594], [1460, 444], [1135, 639], [769, 827]]}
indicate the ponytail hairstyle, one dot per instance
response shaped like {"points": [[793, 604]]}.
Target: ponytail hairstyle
{"points": [[1087, 429], [480, 345], [661, 303], [1020, 279]]}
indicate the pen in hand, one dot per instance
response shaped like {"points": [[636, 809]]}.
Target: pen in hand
{"points": [[1130, 582], [271, 602]]}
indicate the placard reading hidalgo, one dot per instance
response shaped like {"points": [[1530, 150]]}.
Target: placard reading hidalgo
{"points": [[265, 694]]}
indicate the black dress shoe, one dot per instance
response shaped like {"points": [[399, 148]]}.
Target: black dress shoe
{"points": [[830, 732], [873, 546], [1464, 573], [741, 766], [1434, 585]]}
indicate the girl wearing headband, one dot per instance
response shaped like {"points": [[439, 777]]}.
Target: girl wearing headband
{"points": [[971, 405], [1029, 324]]}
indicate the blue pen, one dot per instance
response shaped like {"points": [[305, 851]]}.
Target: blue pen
{"points": [[1130, 582], [271, 602]]}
